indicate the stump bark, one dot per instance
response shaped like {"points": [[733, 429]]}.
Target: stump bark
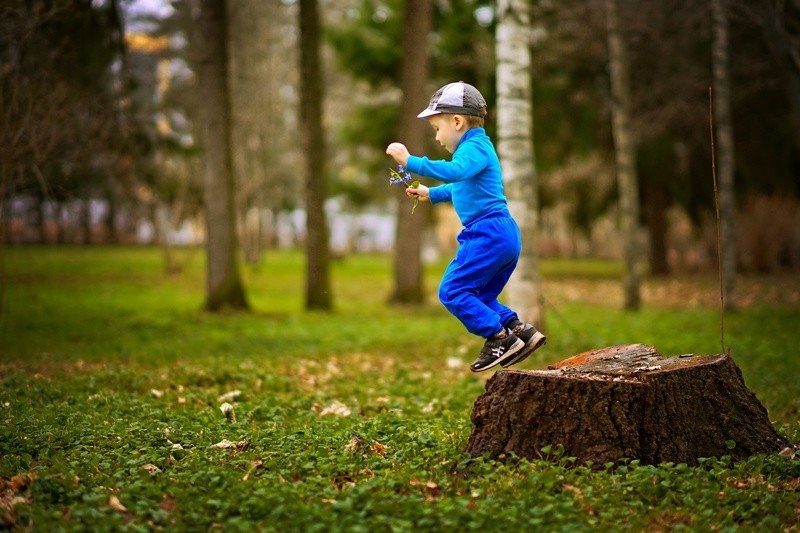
{"points": [[624, 402]]}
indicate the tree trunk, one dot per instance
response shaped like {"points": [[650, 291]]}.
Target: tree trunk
{"points": [[623, 402], [412, 131], [112, 233], [657, 207], [85, 221], [224, 286], [251, 26], [625, 153], [723, 132], [516, 150], [318, 287]]}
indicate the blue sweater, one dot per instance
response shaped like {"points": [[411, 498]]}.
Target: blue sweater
{"points": [[473, 180]]}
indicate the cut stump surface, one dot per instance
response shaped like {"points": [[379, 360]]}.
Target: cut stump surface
{"points": [[624, 402]]}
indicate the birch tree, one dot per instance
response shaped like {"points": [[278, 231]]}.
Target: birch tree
{"points": [[625, 155], [516, 151], [723, 133], [224, 286]]}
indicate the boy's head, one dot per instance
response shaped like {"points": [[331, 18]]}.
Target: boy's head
{"points": [[458, 98]]}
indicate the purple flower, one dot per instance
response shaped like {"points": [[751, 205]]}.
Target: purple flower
{"points": [[401, 175]]}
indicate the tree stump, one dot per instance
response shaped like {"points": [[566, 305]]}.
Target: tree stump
{"points": [[624, 402]]}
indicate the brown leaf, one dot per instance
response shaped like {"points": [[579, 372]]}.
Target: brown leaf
{"points": [[153, 469], [225, 444], [18, 483], [115, 504], [379, 448], [355, 444], [168, 503]]}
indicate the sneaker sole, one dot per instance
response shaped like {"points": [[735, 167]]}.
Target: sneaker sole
{"points": [[537, 341], [519, 345]]}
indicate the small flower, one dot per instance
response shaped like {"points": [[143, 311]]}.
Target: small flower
{"points": [[402, 176]]}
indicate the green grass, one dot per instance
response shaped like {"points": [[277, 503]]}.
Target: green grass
{"points": [[111, 381]]}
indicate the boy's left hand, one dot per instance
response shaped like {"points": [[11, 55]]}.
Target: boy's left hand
{"points": [[398, 152], [420, 192]]}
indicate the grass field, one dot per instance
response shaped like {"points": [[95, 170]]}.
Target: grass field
{"points": [[112, 382]]}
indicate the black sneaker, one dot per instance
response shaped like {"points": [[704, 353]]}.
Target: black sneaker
{"points": [[528, 334], [497, 350]]}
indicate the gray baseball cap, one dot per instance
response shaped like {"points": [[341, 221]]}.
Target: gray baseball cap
{"points": [[457, 98]]}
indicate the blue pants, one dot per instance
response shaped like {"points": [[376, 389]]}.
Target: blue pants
{"points": [[487, 256]]}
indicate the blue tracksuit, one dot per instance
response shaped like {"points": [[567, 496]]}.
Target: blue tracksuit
{"points": [[490, 241]]}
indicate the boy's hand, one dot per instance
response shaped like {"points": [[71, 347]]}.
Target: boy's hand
{"points": [[398, 152], [420, 192]]}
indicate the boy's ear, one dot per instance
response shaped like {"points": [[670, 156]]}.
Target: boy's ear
{"points": [[458, 121]]}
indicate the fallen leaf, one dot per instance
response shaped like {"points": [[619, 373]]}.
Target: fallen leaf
{"points": [[379, 448], [153, 469], [454, 363], [115, 504], [229, 396], [18, 483], [168, 503], [225, 444], [355, 444], [335, 408], [255, 465], [227, 410], [788, 452]]}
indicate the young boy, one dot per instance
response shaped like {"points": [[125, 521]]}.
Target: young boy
{"points": [[490, 240]]}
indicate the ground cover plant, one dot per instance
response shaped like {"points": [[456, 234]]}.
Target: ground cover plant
{"points": [[124, 407]]}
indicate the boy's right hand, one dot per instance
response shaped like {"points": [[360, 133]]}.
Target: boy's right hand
{"points": [[420, 192], [398, 152]]}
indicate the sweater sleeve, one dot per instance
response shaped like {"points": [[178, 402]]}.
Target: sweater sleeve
{"points": [[467, 162], [440, 194]]}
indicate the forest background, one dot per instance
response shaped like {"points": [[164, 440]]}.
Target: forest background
{"points": [[102, 118]]}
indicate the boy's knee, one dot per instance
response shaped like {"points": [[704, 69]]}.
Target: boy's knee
{"points": [[447, 295], [443, 295]]}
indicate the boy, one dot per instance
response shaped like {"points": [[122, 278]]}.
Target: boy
{"points": [[490, 240]]}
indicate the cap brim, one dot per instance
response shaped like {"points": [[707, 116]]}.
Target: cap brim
{"points": [[429, 112]]}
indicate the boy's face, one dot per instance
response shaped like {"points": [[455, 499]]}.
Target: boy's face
{"points": [[449, 130]]}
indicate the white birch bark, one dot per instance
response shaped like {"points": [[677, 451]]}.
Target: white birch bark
{"points": [[515, 149], [723, 132], [625, 153]]}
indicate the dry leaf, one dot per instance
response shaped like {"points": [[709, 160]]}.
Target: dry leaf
{"points": [[229, 396], [335, 408], [115, 504], [18, 483], [454, 363], [225, 444], [153, 469], [227, 410], [168, 504], [255, 465], [379, 448], [355, 444]]}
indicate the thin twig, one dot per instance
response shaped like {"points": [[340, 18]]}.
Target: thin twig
{"points": [[719, 237]]}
